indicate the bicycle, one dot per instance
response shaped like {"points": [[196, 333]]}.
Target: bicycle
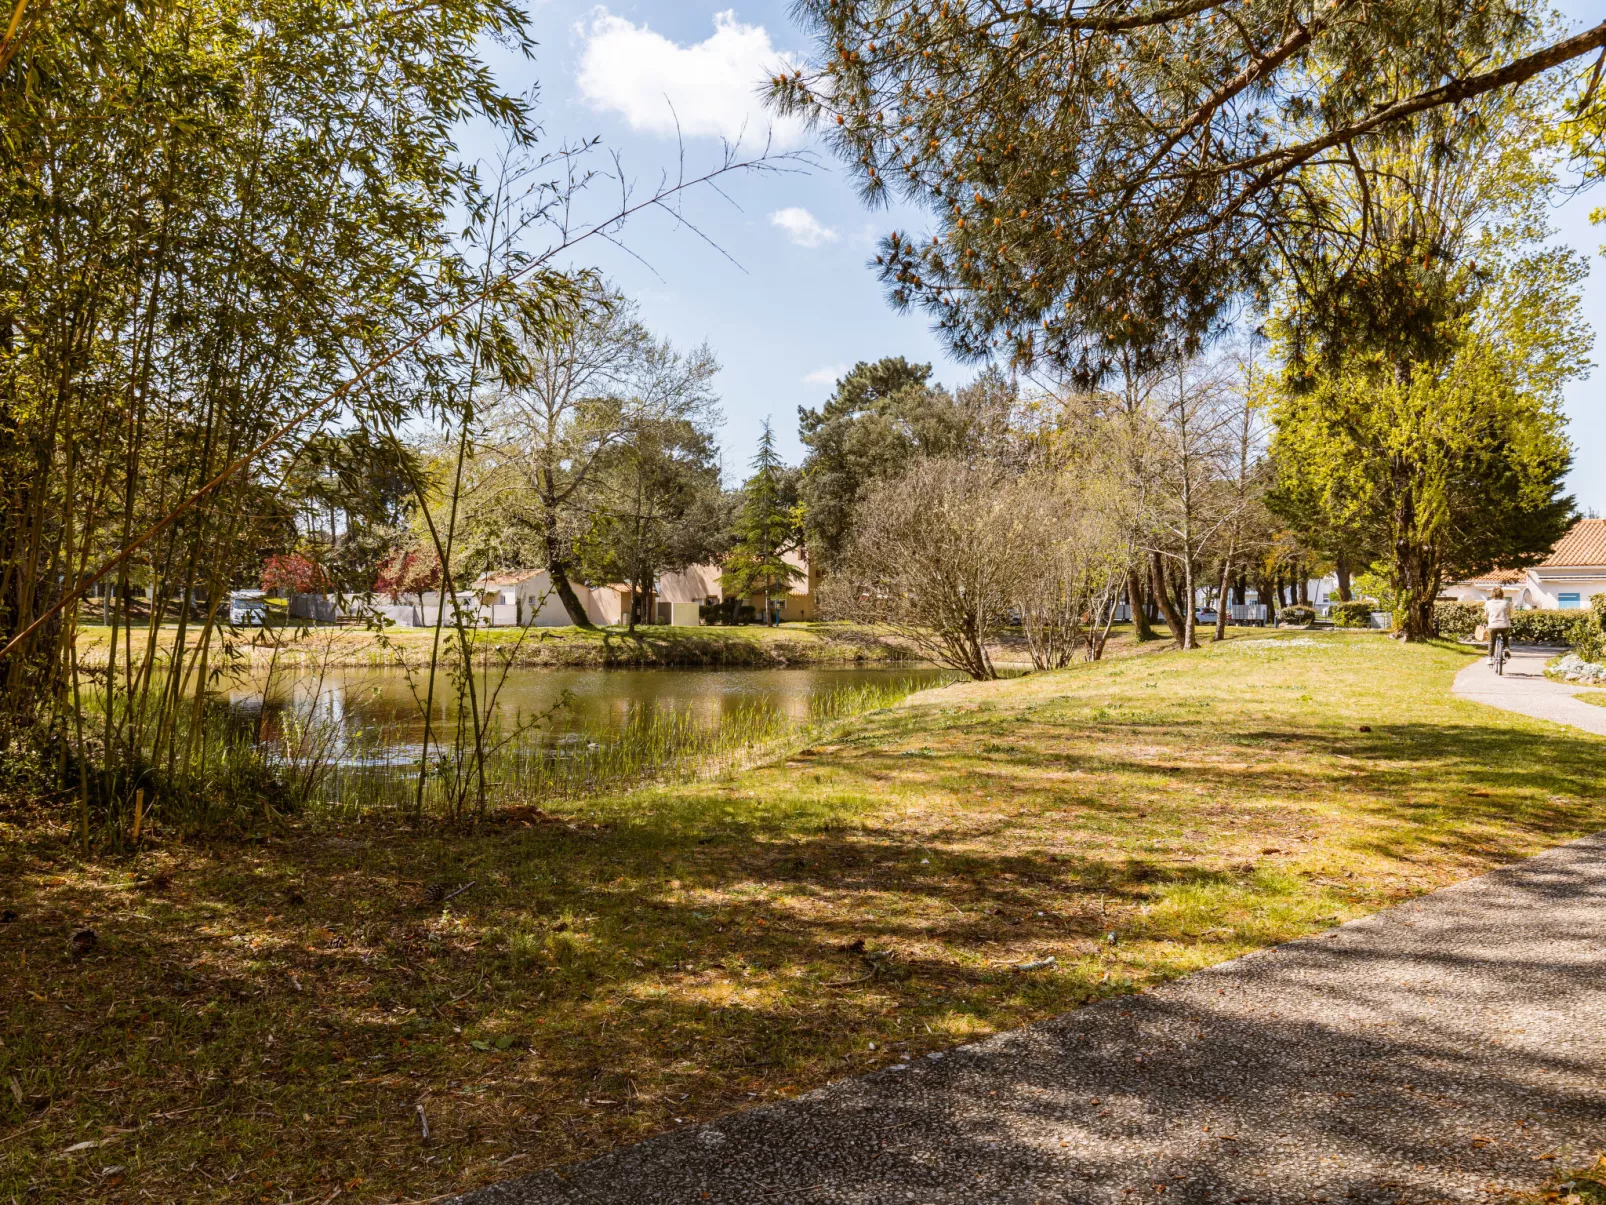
{"points": [[1501, 652]]}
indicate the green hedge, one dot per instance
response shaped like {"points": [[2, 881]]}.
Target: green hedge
{"points": [[1351, 614], [1296, 615], [1457, 619], [1589, 635], [1527, 627], [1545, 627]]}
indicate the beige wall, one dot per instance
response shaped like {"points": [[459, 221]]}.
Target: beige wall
{"points": [[699, 583], [694, 583]]}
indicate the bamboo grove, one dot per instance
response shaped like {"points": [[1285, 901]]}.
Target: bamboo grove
{"points": [[213, 213]]}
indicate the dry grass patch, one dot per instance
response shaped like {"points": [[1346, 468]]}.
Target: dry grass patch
{"points": [[265, 1021]]}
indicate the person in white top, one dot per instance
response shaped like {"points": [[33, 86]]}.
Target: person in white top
{"points": [[1497, 619]]}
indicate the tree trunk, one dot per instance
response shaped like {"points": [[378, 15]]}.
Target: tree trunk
{"points": [[1341, 571], [1135, 599], [1221, 603], [1419, 586], [571, 600], [1180, 598], [1190, 606], [1302, 585], [1268, 597], [558, 571], [1162, 595]]}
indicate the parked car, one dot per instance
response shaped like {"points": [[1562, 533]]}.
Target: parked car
{"points": [[248, 608]]}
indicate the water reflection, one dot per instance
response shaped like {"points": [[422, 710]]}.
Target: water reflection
{"points": [[380, 708]]}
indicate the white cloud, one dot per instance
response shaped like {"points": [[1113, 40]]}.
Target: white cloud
{"points": [[829, 375], [708, 89], [803, 228]]}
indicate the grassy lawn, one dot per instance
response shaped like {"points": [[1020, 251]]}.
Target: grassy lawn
{"points": [[1596, 698], [264, 1021]]}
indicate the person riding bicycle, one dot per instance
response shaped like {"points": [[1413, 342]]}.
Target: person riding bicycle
{"points": [[1497, 619]]}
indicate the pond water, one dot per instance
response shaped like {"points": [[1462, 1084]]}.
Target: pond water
{"points": [[384, 705]]}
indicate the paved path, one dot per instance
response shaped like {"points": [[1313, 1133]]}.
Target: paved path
{"points": [[1448, 1049], [1526, 690]]}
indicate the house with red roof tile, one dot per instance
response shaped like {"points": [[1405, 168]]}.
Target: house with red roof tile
{"points": [[1565, 580]]}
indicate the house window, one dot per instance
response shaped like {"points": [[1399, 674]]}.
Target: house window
{"points": [[1568, 602]]}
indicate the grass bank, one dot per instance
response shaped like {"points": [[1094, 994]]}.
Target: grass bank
{"points": [[792, 644], [265, 1021]]}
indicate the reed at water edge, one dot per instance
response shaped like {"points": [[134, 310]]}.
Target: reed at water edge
{"points": [[375, 772]]}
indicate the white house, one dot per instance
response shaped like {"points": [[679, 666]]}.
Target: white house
{"points": [[534, 602], [1564, 581]]}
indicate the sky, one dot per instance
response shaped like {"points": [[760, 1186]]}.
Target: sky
{"points": [[771, 271]]}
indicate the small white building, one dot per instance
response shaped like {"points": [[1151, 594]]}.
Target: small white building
{"points": [[1565, 580], [533, 602]]}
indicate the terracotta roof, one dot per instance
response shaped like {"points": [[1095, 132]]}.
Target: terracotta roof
{"points": [[1499, 577], [507, 579], [1585, 544]]}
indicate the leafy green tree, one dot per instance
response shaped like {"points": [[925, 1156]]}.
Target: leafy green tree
{"points": [[351, 493], [1442, 299], [1106, 177], [546, 441], [766, 529], [661, 505], [1455, 468], [879, 419]]}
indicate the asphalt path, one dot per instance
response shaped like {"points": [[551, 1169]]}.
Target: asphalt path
{"points": [[1450, 1049], [1525, 689]]}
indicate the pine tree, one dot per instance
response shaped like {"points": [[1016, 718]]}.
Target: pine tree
{"points": [[766, 529]]}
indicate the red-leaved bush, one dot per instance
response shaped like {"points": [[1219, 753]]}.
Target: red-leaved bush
{"points": [[409, 571], [294, 574]]}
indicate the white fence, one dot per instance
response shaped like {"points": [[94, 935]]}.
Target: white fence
{"points": [[321, 608], [330, 608]]}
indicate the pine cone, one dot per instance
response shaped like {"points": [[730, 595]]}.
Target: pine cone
{"points": [[81, 942]]}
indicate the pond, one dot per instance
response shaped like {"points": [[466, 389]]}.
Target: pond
{"points": [[385, 705], [351, 740]]}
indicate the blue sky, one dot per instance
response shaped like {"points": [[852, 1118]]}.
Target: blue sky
{"points": [[785, 299]]}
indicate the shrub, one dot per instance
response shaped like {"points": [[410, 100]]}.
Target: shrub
{"points": [[1296, 616], [1589, 633], [1351, 614], [294, 574], [1544, 627], [1457, 619]]}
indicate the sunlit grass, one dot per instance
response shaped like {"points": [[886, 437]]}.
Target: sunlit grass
{"points": [[272, 1014]]}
